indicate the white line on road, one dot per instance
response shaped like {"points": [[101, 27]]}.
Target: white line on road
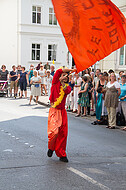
{"points": [[87, 178], [9, 134], [32, 146], [26, 143], [8, 150]]}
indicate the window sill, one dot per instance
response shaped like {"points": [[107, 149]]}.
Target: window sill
{"points": [[41, 25]]}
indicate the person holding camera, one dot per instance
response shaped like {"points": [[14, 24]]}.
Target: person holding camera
{"points": [[83, 100]]}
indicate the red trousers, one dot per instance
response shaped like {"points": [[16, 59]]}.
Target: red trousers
{"points": [[57, 131]]}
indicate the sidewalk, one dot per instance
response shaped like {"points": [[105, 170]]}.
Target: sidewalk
{"points": [[43, 100]]}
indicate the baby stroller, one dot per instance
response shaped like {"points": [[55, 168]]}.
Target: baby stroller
{"points": [[3, 88]]}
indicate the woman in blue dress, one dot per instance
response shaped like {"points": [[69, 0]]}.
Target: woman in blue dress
{"points": [[23, 76]]}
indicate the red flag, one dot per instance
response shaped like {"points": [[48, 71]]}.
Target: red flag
{"points": [[92, 29]]}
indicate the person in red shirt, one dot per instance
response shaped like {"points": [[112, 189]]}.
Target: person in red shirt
{"points": [[57, 119]]}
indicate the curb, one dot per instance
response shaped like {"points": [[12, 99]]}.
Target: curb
{"points": [[87, 118], [48, 106]]}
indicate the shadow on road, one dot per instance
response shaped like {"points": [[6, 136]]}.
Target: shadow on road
{"points": [[25, 123], [23, 105], [40, 108]]}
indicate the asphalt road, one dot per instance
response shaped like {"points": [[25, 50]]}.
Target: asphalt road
{"points": [[97, 156]]}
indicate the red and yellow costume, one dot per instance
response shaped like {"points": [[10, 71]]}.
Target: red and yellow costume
{"points": [[57, 120]]}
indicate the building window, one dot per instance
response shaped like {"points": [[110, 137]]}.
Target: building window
{"points": [[36, 15], [35, 51], [52, 50], [52, 17], [122, 56]]}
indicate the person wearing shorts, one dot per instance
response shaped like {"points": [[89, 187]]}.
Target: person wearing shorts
{"points": [[13, 78]]}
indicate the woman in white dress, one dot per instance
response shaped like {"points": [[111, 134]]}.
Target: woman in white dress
{"points": [[35, 87], [42, 74], [77, 86], [49, 79]]}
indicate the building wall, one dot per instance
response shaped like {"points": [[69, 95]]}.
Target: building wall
{"points": [[119, 3], [112, 61], [8, 33], [43, 34], [18, 33]]}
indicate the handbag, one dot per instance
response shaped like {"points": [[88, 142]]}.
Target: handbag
{"points": [[79, 95], [120, 119], [36, 85]]}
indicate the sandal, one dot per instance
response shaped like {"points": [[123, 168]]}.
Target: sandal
{"points": [[78, 115], [75, 111], [94, 123], [124, 129], [83, 115], [112, 127]]}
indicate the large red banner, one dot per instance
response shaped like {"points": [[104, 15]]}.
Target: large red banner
{"points": [[92, 29]]}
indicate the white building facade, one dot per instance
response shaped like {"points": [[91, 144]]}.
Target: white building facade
{"points": [[116, 60], [30, 34]]}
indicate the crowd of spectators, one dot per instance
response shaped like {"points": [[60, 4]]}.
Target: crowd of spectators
{"points": [[38, 78], [102, 94]]}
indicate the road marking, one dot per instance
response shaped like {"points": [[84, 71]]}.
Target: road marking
{"points": [[31, 146], [22, 141], [26, 143], [8, 150], [89, 179]]}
